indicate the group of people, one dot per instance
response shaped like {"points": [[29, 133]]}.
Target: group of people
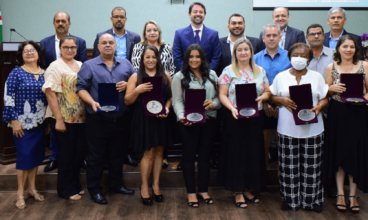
{"points": [[64, 91]]}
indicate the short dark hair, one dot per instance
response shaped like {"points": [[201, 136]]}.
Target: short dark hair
{"points": [[39, 49], [315, 26], [63, 12], [68, 37], [300, 45], [280, 7], [236, 15], [196, 3], [337, 55], [119, 8]]}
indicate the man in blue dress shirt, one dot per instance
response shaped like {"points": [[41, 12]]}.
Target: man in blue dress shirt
{"points": [[274, 60], [106, 132]]}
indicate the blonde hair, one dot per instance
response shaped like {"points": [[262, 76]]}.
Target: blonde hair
{"points": [[234, 64], [144, 39]]}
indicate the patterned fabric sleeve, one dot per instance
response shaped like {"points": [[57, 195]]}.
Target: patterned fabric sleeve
{"points": [[169, 60], [10, 90], [224, 78], [265, 78], [215, 100], [53, 80], [136, 55]]}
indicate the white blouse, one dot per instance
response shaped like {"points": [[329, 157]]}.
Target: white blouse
{"points": [[280, 87]]}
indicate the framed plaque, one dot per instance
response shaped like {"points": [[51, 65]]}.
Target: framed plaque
{"points": [[246, 95], [194, 111], [354, 84], [152, 101], [108, 97], [302, 96]]}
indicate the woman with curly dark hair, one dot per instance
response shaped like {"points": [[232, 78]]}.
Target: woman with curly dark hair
{"points": [[196, 138], [24, 111], [346, 150], [149, 134]]}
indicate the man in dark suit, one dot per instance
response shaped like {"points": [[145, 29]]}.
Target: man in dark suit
{"points": [[125, 40], [337, 19], [236, 28], [289, 35], [197, 33], [52, 53]]}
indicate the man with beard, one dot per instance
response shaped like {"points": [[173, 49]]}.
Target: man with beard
{"points": [[197, 33], [274, 60], [236, 28], [125, 40], [337, 19], [52, 52], [106, 132], [289, 35]]}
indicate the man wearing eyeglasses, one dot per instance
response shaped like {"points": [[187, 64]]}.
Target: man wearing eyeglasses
{"points": [[125, 40], [52, 52]]}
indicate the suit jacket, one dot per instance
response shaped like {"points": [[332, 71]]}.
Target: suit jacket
{"points": [[209, 42], [48, 45], [292, 36], [131, 39], [326, 42], [225, 59]]}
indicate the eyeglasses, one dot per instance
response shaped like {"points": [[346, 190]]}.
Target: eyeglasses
{"points": [[117, 16], [66, 48], [31, 51], [316, 33]]}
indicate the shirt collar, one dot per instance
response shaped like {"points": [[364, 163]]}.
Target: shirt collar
{"points": [[114, 34], [324, 51], [194, 29], [229, 38], [339, 36], [58, 40], [278, 51], [100, 60], [285, 29]]}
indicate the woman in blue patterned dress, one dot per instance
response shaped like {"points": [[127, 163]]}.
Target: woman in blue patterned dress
{"points": [[24, 111]]}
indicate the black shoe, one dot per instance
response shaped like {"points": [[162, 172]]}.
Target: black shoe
{"points": [[165, 165], [123, 190], [130, 161], [179, 167], [145, 201], [51, 166], [158, 198], [99, 199]]}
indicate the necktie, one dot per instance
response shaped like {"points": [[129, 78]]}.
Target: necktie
{"points": [[197, 36]]}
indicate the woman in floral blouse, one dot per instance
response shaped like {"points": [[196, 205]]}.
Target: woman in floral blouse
{"points": [[67, 111], [24, 111], [242, 162]]}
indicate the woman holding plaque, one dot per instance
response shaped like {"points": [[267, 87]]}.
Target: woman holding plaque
{"points": [[149, 134], [300, 146], [152, 37], [67, 109], [24, 111], [197, 138], [346, 150], [242, 161]]}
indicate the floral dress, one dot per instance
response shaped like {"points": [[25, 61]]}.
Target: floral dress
{"points": [[23, 99]]}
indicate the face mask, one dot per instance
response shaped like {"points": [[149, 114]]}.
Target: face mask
{"points": [[299, 63]]}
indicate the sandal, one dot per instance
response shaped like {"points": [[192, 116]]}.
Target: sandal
{"points": [[82, 192], [34, 193], [240, 204], [340, 203], [254, 200], [193, 204], [21, 205], [354, 206], [75, 197], [209, 200]]}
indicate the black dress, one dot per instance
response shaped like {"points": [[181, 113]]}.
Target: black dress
{"points": [[149, 132], [242, 161], [346, 140]]}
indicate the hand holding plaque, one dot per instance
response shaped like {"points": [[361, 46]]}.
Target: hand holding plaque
{"points": [[302, 97], [354, 84], [108, 97], [153, 101], [246, 95], [194, 111]]}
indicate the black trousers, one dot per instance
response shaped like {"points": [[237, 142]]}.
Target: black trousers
{"points": [[107, 140], [73, 150], [197, 139]]}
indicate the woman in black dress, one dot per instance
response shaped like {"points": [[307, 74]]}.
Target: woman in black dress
{"points": [[346, 148], [149, 134]]}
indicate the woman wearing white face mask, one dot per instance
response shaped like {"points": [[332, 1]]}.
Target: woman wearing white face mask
{"points": [[300, 146]]}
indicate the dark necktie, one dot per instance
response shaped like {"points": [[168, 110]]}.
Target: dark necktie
{"points": [[197, 37]]}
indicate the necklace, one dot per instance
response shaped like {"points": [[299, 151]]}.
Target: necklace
{"points": [[31, 72]]}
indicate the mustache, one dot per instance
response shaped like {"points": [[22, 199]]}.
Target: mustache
{"points": [[60, 26]]}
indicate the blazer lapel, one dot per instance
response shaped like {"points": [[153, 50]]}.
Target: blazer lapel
{"points": [[227, 49], [190, 35], [289, 33], [53, 48], [128, 45], [326, 41], [204, 36]]}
